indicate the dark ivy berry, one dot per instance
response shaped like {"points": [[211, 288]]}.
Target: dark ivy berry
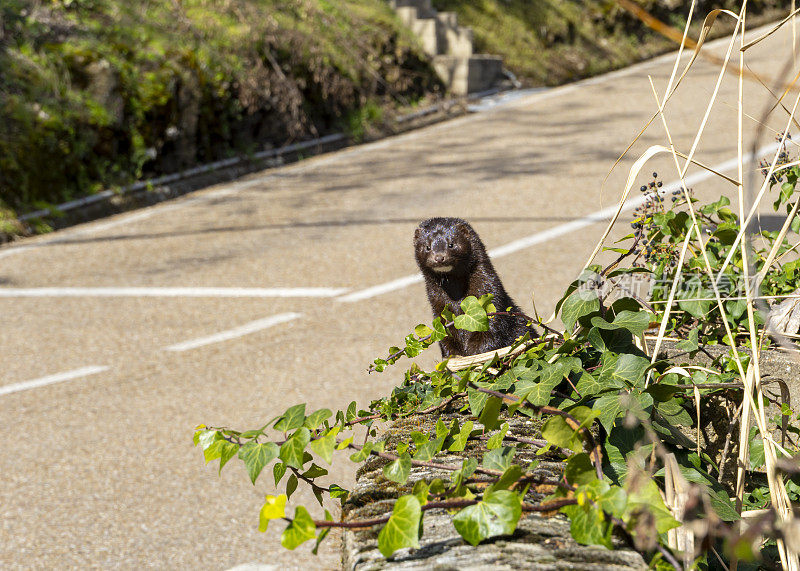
{"points": [[658, 184], [655, 175]]}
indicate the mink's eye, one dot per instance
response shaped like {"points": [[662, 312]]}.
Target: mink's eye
{"points": [[450, 245], [428, 248]]}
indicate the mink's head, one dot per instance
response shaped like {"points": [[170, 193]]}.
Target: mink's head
{"points": [[446, 246]]}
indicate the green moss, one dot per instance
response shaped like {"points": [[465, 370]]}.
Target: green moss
{"points": [[96, 93]]}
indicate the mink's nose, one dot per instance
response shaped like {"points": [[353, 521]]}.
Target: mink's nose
{"points": [[439, 258]]}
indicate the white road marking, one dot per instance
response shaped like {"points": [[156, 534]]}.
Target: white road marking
{"points": [[172, 292], [600, 216], [380, 289], [240, 331], [49, 380]]}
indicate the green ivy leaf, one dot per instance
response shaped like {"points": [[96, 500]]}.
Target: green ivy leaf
{"points": [[313, 420], [293, 450], [613, 501], [757, 456], [363, 454], [420, 491], [588, 525], [558, 433], [616, 340], [221, 449], [422, 330], [300, 530], [337, 492], [429, 449], [628, 368], [509, 477], [292, 418], [398, 470], [549, 378], [477, 400], [402, 529], [620, 444], [497, 514], [646, 496], [439, 332], [690, 344], [460, 439], [274, 508], [206, 438], [579, 304], [610, 407], [579, 470], [278, 470], [490, 413], [663, 392], [324, 446], [291, 485], [474, 317], [441, 429], [350, 415], [256, 455], [496, 440], [499, 458], [735, 309], [315, 472], [588, 385], [698, 305], [323, 533], [637, 322], [468, 467]]}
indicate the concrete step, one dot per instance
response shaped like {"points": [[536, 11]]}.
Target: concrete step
{"points": [[450, 47], [424, 8], [469, 75], [455, 41], [447, 19]]}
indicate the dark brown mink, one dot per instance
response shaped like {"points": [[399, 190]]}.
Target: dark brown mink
{"points": [[455, 265]]}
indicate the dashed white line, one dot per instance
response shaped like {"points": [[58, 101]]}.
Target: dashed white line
{"points": [[171, 292], [240, 331], [51, 379]]}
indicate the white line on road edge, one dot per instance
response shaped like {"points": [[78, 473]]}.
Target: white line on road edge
{"points": [[600, 216], [240, 331], [49, 380], [172, 292]]}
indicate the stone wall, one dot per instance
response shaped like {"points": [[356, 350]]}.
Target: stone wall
{"points": [[540, 542]]}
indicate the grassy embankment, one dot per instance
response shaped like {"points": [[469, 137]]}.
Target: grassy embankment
{"points": [[96, 93], [551, 42]]}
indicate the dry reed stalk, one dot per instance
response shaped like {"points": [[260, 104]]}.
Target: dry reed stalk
{"points": [[753, 395]]}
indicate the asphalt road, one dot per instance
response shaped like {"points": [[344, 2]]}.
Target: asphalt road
{"points": [[100, 388]]}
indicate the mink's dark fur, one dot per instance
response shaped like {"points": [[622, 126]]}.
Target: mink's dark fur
{"points": [[455, 265]]}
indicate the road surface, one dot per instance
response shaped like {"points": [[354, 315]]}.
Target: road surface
{"points": [[230, 304]]}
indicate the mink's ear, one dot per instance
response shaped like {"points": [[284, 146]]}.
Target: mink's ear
{"points": [[465, 228], [417, 232]]}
